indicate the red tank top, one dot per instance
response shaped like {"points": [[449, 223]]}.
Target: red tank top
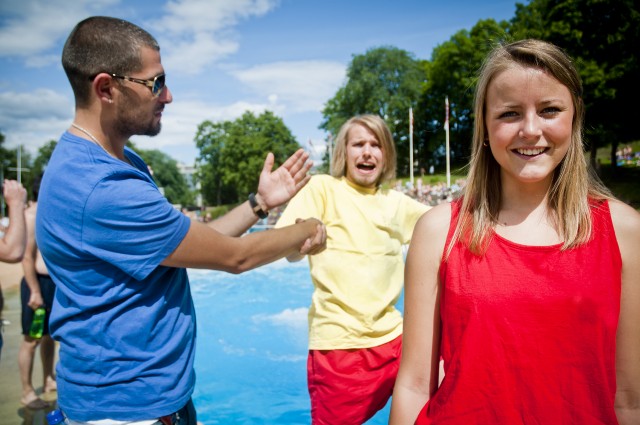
{"points": [[529, 332]]}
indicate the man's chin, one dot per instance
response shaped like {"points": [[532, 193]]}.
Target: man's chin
{"points": [[154, 131], [366, 181]]}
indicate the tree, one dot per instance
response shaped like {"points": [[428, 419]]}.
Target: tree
{"points": [[452, 73], [385, 81], [39, 165], [210, 139], [232, 154], [601, 36], [166, 174]]}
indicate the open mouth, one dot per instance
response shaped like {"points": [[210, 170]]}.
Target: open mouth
{"points": [[366, 167], [531, 152]]}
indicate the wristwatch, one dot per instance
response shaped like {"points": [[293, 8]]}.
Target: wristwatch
{"points": [[257, 209]]}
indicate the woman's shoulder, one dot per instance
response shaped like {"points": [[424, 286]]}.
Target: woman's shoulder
{"points": [[624, 216], [430, 234], [626, 222], [436, 221]]}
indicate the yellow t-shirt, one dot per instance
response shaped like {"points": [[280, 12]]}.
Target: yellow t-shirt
{"points": [[359, 277]]}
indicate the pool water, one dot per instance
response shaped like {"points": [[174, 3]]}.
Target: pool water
{"points": [[251, 353]]}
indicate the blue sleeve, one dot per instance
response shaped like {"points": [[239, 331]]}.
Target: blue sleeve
{"points": [[128, 223]]}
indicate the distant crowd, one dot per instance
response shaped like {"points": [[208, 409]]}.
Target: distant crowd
{"points": [[431, 194], [626, 156]]}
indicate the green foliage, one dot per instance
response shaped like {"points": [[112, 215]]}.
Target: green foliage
{"points": [[385, 81], [9, 166], [452, 73], [165, 169], [232, 154], [167, 175], [602, 37], [37, 166], [44, 154], [219, 211]]}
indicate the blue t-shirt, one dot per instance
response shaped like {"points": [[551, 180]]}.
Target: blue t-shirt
{"points": [[126, 324]]}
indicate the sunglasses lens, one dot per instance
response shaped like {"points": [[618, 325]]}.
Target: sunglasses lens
{"points": [[158, 85]]}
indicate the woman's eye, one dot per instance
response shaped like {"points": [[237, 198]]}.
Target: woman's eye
{"points": [[551, 110], [508, 114]]}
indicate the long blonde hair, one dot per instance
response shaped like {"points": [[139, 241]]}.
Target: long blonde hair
{"points": [[379, 128], [573, 181]]}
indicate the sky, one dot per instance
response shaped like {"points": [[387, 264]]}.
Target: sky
{"points": [[221, 57]]}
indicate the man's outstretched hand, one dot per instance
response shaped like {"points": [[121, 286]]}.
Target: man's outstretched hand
{"points": [[278, 187]]}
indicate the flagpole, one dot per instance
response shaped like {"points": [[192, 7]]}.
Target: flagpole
{"points": [[19, 163], [411, 144], [330, 141], [446, 127]]}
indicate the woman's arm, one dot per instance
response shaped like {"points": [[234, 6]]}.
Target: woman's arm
{"points": [[418, 375], [626, 222]]}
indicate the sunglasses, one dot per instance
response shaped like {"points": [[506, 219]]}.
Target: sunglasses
{"points": [[156, 84]]}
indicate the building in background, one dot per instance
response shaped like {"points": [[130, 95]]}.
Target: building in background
{"points": [[188, 172]]}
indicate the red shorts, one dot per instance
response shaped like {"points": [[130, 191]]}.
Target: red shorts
{"points": [[350, 386]]}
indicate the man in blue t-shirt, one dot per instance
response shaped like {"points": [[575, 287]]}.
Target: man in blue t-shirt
{"points": [[117, 250]]}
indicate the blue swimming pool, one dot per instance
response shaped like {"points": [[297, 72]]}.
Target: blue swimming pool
{"points": [[252, 346]]}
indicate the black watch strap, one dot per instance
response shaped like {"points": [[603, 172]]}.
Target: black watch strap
{"points": [[257, 209]]}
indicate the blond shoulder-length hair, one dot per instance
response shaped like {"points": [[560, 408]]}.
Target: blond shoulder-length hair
{"points": [[573, 183], [379, 128]]}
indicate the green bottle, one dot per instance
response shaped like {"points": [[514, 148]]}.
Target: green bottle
{"points": [[37, 325]]}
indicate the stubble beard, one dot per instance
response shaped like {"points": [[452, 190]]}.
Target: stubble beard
{"points": [[133, 121]]}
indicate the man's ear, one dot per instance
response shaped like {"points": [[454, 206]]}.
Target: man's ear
{"points": [[102, 86]]}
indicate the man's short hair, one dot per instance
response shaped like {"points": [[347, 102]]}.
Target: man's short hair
{"points": [[102, 44]]}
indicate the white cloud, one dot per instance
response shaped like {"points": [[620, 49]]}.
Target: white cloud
{"points": [[180, 121], [192, 56], [41, 102], [198, 33], [31, 119], [34, 26], [186, 16], [302, 85]]}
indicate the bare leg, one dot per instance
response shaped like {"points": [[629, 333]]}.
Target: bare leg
{"points": [[47, 354], [25, 363]]}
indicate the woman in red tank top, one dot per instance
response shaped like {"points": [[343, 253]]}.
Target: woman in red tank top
{"points": [[522, 298]]}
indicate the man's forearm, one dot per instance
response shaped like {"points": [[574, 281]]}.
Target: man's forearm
{"points": [[236, 222]]}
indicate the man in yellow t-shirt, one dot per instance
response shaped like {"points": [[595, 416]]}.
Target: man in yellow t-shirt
{"points": [[355, 331]]}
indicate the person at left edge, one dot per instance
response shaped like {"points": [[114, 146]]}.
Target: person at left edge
{"points": [[14, 238], [118, 250], [36, 291]]}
